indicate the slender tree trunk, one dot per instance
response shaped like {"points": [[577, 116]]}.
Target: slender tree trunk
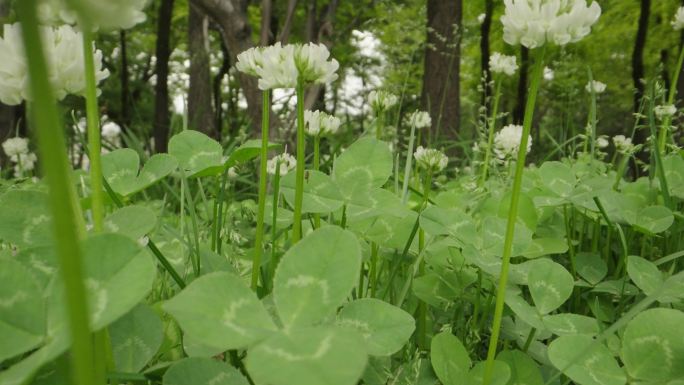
{"points": [[266, 15], [441, 83], [485, 28], [638, 53], [519, 111], [200, 109], [218, 88], [680, 82], [231, 17], [287, 26], [125, 89], [162, 118]]}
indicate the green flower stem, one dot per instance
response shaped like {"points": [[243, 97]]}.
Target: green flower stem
{"points": [[316, 166], [299, 177], [101, 345], [512, 216], [263, 179], [407, 168], [590, 138], [55, 165], [421, 325], [373, 269], [185, 185], [662, 135], [93, 124], [490, 135], [379, 124], [274, 222]]}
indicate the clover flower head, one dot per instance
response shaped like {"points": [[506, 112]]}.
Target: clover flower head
{"points": [[250, 61], [319, 123], [64, 51], [419, 119], [534, 23], [278, 69], [284, 161], [104, 15], [549, 74], [382, 100], [481, 18], [24, 163], [313, 65], [507, 141], [623, 144], [110, 130], [15, 146], [602, 141], [665, 111], [595, 86], [678, 22], [499, 63], [430, 159]]}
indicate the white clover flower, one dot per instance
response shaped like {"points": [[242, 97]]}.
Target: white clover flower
{"points": [[419, 119], [549, 74], [24, 163], [678, 22], [665, 111], [313, 65], [382, 100], [286, 161], [623, 144], [595, 86], [64, 51], [67, 62], [105, 15], [278, 69], [250, 61], [534, 23], [13, 69], [430, 159], [602, 141], [481, 18], [507, 141], [15, 146], [499, 63], [232, 173], [319, 123]]}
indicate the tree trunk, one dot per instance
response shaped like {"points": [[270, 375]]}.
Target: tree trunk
{"points": [[218, 89], [124, 76], [519, 111], [485, 28], [638, 53], [287, 26], [231, 16], [441, 83], [200, 109], [162, 118]]}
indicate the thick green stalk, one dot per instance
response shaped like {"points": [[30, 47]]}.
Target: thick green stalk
{"points": [[512, 216], [662, 135], [55, 165], [299, 177], [490, 135], [263, 179], [94, 145]]}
